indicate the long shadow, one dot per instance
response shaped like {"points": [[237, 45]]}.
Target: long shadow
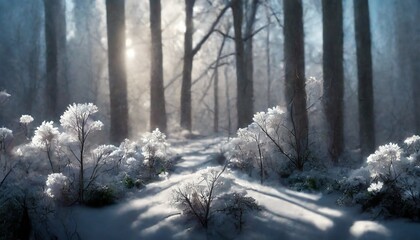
{"points": [[341, 224]]}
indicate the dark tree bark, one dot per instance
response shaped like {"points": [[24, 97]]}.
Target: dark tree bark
{"points": [[332, 23], [188, 64], [294, 58], [157, 93], [249, 58], [407, 39], [115, 16], [55, 41], [189, 53], [244, 103], [364, 73]]}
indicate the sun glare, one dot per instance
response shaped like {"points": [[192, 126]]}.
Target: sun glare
{"points": [[130, 53]]}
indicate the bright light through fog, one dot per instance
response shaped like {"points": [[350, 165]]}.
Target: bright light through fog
{"points": [[130, 53]]}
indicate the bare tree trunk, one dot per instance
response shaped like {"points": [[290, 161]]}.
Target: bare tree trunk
{"points": [[364, 72], [157, 94], [54, 23], [268, 58], [188, 64], [249, 59], [294, 56], [115, 13], [332, 12], [216, 88], [226, 76], [243, 98], [189, 53]]}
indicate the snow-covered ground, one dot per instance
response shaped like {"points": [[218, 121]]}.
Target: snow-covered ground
{"points": [[149, 214]]}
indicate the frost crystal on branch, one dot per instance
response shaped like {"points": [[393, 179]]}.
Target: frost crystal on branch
{"points": [[26, 119], [154, 144], [45, 134], [77, 119], [375, 187], [56, 183]]}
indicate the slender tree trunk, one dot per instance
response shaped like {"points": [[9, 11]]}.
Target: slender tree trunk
{"points": [[51, 9], [294, 56], [117, 69], [249, 59], [157, 93], [188, 64], [216, 88], [243, 98], [228, 109], [332, 12], [364, 72], [268, 58]]}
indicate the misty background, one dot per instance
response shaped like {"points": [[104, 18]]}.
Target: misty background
{"points": [[83, 64]]}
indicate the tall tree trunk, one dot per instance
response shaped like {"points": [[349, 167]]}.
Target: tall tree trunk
{"points": [[188, 64], [157, 93], [243, 99], [52, 9], [249, 59], [415, 67], [294, 57], [332, 23], [364, 72], [268, 58], [216, 88], [62, 73], [115, 14]]}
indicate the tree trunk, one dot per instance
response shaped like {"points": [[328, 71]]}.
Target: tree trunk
{"points": [[249, 59], [157, 93], [53, 9], [268, 58], [216, 88], [188, 64], [364, 72], [243, 98], [115, 14], [294, 57], [332, 23]]}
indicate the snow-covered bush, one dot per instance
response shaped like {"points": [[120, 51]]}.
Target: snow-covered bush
{"points": [[196, 199], [25, 120], [45, 139], [154, 151], [269, 139], [56, 186], [390, 181], [238, 205], [6, 136], [211, 204]]}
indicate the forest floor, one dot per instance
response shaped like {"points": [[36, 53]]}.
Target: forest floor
{"points": [[149, 214]]}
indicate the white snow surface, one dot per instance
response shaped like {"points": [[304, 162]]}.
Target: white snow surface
{"points": [[148, 213]]}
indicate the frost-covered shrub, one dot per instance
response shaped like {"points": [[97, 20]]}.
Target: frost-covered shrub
{"points": [[45, 139], [25, 120], [238, 205], [392, 184], [57, 186], [269, 137], [154, 151], [197, 199], [6, 136]]}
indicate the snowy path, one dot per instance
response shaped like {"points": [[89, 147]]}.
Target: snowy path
{"points": [[287, 214]]}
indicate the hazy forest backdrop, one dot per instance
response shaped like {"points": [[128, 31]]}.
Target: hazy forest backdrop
{"points": [[53, 53]]}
